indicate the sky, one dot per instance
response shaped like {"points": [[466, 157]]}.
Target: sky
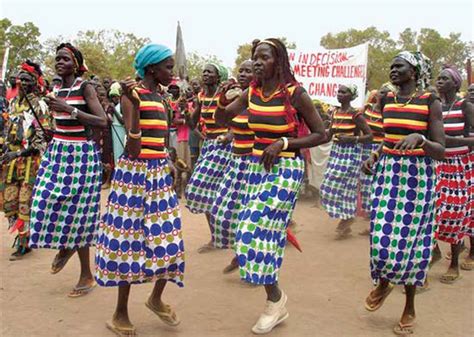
{"points": [[219, 27]]}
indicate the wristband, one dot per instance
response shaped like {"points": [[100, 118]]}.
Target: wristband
{"points": [[285, 143], [74, 113], [135, 135]]}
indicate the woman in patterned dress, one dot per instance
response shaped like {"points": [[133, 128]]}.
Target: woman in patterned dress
{"points": [[276, 105], [341, 178], [66, 197], [215, 154], [453, 205], [140, 238], [403, 198]]}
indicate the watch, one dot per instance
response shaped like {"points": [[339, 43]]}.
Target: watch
{"points": [[74, 113]]}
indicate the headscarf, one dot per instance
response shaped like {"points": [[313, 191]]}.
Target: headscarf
{"points": [[76, 54], [221, 72], [114, 89], [150, 54], [33, 70], [422, 65], [353, 90], [455, 74]]}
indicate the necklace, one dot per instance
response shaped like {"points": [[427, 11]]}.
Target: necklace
{"points": [[206, 107], [450, 108], [395, 100]]}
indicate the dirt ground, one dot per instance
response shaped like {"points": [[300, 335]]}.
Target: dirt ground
{"points": [[326, 287]]}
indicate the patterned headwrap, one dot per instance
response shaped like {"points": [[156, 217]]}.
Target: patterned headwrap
{"points": [[455, 74], [33, 70], [221, 71], [150, 54], [353, 90], [76, 54], [422, 65]]}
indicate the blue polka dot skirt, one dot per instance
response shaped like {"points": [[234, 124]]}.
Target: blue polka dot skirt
{"points": [[268, 204], [202, 187], [225, 212], [341, 181], [402, 219], [139, 238], [66, 197], [365, 183]]}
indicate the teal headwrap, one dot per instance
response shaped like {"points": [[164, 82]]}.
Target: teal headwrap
{"points": [[150, 54], [221, 71]]}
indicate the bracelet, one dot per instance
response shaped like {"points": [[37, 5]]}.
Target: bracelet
{"points": [[376, 154], [357, 139], [137, 135], [423, 143], [285, 143]]}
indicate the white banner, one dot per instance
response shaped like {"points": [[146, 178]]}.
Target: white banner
{"points": [[322, 71]]}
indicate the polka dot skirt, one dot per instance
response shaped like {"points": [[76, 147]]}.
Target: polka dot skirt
{"points": [[268, 204], [341, 180], [470, 177], [66, 198], [453, 213], [139, 238], [207, 176], [224, 214], [402, 219]]}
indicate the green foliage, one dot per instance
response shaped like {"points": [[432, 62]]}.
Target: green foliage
{"points": [[244, 52], [196, 64], [23, 41]]}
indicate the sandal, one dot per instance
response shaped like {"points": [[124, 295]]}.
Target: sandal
{"points": [[121, 332], [59, 262], [81, 291], [468, 264], [404, 329], [449, 278], [372, 307], [169, 316]]}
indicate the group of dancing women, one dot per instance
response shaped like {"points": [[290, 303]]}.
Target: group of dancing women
{"points": [[248, 176]]}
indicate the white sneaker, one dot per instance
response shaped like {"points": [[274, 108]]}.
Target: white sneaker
{"points": [[273, 314]]}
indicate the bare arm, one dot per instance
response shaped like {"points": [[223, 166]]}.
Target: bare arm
{"points": [[131, 117], [434, 146], [224, 116], [469, 117], [192, 119]]}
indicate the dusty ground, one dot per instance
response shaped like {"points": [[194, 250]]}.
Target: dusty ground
{"points": [[326, 287]]}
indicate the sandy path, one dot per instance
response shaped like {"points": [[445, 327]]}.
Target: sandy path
{"points": [[326, 286]]}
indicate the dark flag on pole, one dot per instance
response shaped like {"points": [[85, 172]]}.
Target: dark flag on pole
{"points": [[180, 55]]}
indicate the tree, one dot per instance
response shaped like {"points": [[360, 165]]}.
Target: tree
{"points": [[23, 41], [196, 64], [244, 52], [381, 50]]}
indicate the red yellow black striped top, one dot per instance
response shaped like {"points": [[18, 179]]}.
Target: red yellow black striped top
{"points": [[343, 122], [374, 120], [454, 122], [268, 120], [244, 138], [153, 124], [68, 128], [404, 116], [208, 108]]}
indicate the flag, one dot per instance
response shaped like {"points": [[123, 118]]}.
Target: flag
{"points": [[180, 55]]}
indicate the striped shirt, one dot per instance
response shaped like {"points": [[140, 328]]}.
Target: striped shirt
{"points": [[455, 126], [374, 120], [244, 138], [208, 108], [67, 127], [269, 120], [343, 122], [404, 116], [153, 124]]}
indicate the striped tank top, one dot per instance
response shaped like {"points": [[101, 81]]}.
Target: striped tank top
{"points": [[343, 122], [267, 118], [68, 128], [404, 116], [243, 136], [455, 126], [208, 108], [374, 120], [153, 124]]}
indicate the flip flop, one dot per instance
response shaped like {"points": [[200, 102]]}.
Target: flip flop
{"points": [[208, 247], [380, 302], [450, 278], [404, 329], [122, 332], [467, 264], [60, 262], [81, 291], [169, 316]]}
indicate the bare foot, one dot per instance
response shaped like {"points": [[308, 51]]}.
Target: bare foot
{"points": [[206, 248], [364, 232], [344, 224], [233, 266]]}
